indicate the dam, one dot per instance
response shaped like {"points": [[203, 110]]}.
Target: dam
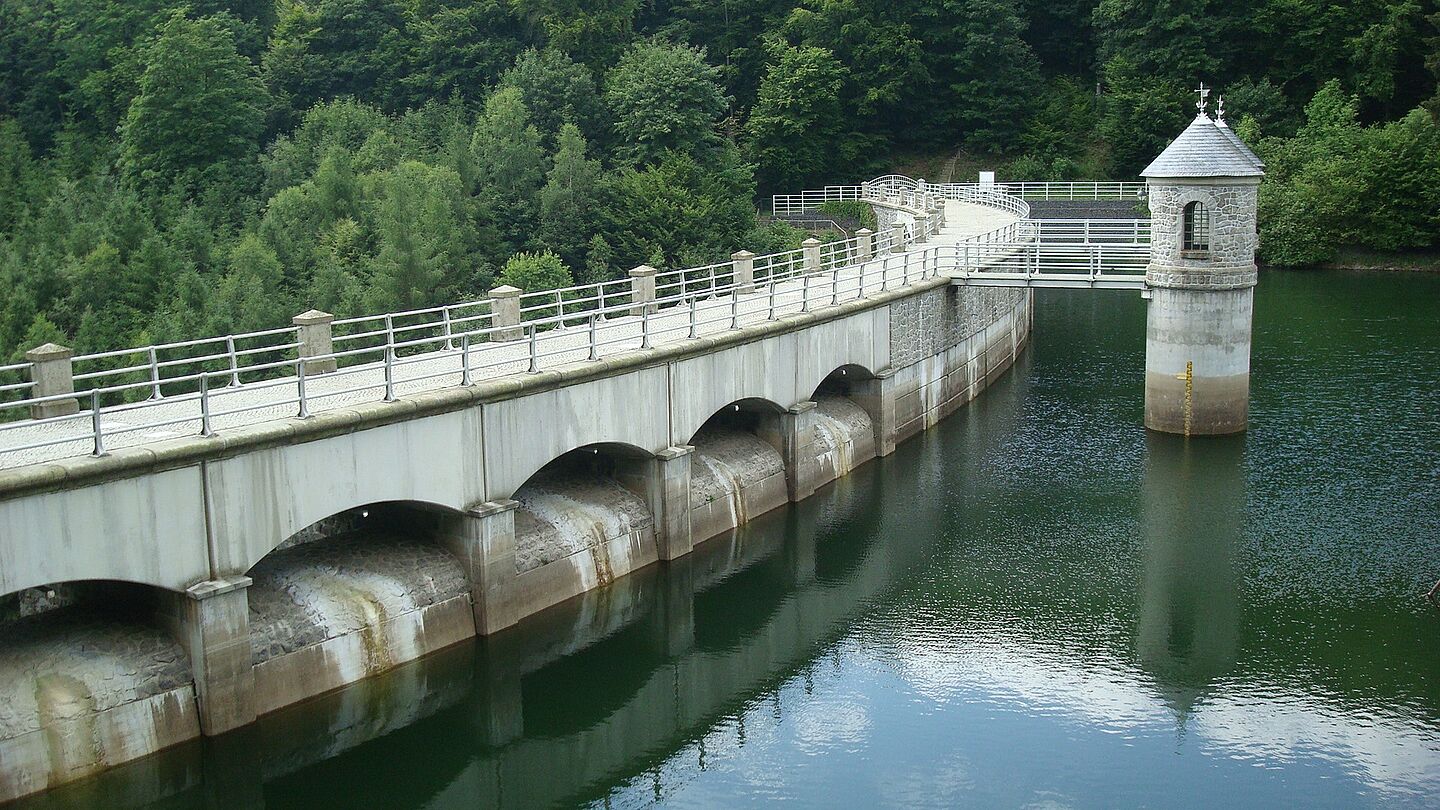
{"points": [[238, 534], [455, 517], [1034, 567]]}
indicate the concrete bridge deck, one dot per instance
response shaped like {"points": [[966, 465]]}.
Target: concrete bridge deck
{"points": [[232, 527], [230, 408]]}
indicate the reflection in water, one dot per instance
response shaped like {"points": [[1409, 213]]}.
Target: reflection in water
{"points": [[1194, 521], [1034, 603]]}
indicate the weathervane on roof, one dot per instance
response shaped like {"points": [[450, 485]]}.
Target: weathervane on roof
{"points": [[1204, 101], [1220, 112]]}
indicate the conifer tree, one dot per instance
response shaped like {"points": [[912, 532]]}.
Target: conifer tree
{"points": [[568, 200]]}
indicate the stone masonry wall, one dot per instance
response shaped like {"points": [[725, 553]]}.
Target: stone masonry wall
{"points": [[926, 325], [1230, 262]]}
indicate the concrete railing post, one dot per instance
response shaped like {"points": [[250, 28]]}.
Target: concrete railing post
{"points": [[744, 270], [483, 539], [922, 228], [213, 624], [897, 238], [811, 249], [53, 375], [317, 340], [505, 313], [866, 243], [642, 289]]}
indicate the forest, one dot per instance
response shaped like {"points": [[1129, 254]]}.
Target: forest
{"points": [[175, 169]]}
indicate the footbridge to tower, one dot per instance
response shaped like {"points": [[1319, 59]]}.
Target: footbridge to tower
{"points": [[198, 533]]}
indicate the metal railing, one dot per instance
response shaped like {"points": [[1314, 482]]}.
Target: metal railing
{"points": [[802, 202], [1116, 231], [137, 396], [1064, 190], [140, 395], [782, 204]]}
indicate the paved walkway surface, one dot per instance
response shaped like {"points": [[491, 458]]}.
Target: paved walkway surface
{"points": [[259, 402]]}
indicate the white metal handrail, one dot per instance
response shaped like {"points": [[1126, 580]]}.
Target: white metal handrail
{"points": [[805, 201], [198, 386]]}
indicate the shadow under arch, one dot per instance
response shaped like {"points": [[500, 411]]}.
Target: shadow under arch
{"points": [[845, 380], [33, 599], [410, 513], [749, 413], [92, 673], [613, 452]]}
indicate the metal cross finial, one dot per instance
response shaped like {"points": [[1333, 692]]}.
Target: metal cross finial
{"points": [[1220, 110], [1204, 101]]}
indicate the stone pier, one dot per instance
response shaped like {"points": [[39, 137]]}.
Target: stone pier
{"points": [[793, 434], [212, 621]]}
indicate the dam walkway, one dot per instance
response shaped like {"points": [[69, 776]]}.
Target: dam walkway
{"points": [[201, 533], [145, 396]]}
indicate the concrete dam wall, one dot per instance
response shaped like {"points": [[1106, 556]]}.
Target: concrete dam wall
{"points": [[84, 687]]}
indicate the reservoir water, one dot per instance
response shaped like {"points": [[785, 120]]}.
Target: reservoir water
{"points": [[1036, 603]]}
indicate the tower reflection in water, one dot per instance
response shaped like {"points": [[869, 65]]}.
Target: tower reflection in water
{"points": [[1193, 502]]}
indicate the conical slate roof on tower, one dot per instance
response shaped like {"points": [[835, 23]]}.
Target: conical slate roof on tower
{"points": [[1206, 149], [1239, 144]]}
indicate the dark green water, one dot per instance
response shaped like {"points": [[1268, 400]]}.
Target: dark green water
{"points": [[1036, 603]]}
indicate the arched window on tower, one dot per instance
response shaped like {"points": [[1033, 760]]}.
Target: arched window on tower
{"points": [[1196, 231]]}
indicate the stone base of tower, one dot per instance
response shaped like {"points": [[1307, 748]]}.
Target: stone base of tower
{"points": [[1197, 360]]}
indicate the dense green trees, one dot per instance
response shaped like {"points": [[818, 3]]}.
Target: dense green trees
{"points": [[663, 97], [570, 200], [983, 69], [1340, 184], [174, 168], [797, 120], [199, 103]]}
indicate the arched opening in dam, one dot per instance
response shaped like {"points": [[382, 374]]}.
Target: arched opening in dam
{"points": [[845, 422], [586, 517], [90, 675], [351, 596], [738, 472]]}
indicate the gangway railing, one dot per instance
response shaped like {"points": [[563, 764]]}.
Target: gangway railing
{"points": [[137, 396], [801, 202], [1109, 231], [1065, 190]]}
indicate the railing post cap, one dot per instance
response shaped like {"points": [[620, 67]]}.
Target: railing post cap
{"points": [[811, 242], [49, 351], [742, 254], [505, 291], [642, 270], [312, 318], [864, 232]]}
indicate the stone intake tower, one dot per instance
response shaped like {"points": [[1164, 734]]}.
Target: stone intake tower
{"points": [[1203, 192]]}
